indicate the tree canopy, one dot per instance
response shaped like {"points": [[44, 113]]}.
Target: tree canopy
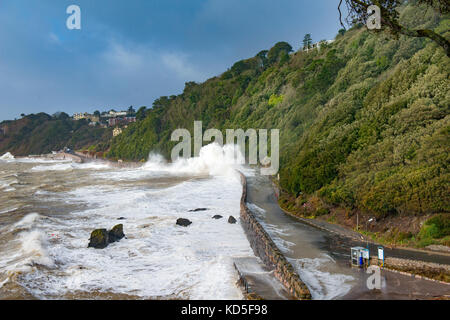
{"points": [[278, 50], [358, 12], [307, 41]]}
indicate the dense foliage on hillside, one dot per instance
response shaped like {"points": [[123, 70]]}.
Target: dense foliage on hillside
{"points": [[42, 133], [364, 121]]}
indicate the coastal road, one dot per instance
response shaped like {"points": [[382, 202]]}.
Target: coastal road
{"points": [[355, 239], [322, 257]]}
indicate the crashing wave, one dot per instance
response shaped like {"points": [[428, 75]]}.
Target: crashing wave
{"points": [[7, 156], [213, 160]]}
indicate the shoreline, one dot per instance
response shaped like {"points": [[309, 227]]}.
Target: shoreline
{"points": [[265, 248], [329, 223], [343, 230], [412, 262], [263, 284], [284, 273], [312, 244]]}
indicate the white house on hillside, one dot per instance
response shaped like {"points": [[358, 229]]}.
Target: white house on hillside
{"points": [[318, 44]]}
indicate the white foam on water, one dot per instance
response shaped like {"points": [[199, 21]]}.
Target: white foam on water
{"points": [[27, 221], [276, 232], [255, 209], [323, 284], [158, 258], [56, 167], [6, 183], [213, 160], [41, 160], [8, 210], [7, 157], [34, 247], [71, 166], [27, 250], [319, 274], [6, 186]]}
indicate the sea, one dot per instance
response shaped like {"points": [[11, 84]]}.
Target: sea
{"points": [[49, 208]]}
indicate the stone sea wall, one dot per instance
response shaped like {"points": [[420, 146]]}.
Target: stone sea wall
{"points": [[58, 156], [421, 269], [264, 247], [87, 157]]}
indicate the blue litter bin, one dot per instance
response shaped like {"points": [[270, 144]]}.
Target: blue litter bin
{"points": [[360, 261]]}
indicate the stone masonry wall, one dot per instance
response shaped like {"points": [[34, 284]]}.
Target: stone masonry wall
{"points": [[435, 271], [264, 247]]}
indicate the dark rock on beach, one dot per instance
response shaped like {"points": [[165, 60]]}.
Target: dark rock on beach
{"points": [[116, 233], [99, 239], [232, 220], [217, 217], [121, 218], [199, 209], [183, 222]]}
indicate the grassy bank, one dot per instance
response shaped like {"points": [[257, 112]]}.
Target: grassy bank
{"points": [[399, 230]]}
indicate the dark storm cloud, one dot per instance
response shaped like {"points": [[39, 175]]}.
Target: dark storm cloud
{"points": [[131, 52]]}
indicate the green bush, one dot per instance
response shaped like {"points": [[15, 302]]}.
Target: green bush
{"points": [[275, 100], [436, 228]]}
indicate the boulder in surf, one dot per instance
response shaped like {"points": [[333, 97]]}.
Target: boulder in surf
{"points": [[232, 220], [199, 209], [116, 233], [99, 239], [183, 222]]}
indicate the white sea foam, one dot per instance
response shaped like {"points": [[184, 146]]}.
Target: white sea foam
{"points": [[71, 166], [27, 251], [319, 274], [158, 258], [7, 157], [213, 160], [34, 248], [41, 160], [6, 184], [27, 221], [8, 210], [276, 232]]}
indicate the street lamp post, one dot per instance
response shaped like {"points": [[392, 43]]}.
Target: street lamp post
{"points": [[367, 228]]}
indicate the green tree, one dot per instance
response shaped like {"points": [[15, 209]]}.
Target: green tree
{"points": [[358, 13], [141, 114], [307, 41], [276, 52], [131, 111]]}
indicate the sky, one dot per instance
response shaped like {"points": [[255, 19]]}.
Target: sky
{"points": [[131, 52]]}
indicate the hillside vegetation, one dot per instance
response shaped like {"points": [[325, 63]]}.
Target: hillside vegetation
{"points": [[364, 124], [364, 121], [42, 133]]}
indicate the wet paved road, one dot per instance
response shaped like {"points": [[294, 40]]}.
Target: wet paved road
{"points": [[322, 258]]}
